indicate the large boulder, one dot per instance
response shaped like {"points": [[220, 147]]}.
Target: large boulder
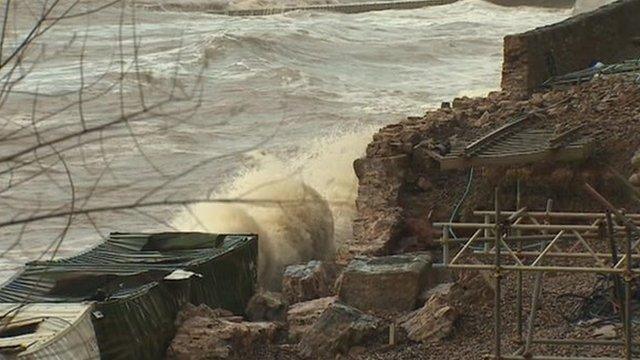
{"points": [[302, 316], [436, 319], [308, 281], [267, 306], [204, 333], [384, 285], [339, 328]]}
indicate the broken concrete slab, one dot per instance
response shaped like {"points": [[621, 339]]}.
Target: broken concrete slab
{"points": [[389, 284], [339, 328]]}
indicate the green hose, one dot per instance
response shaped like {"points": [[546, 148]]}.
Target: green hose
{"points": [[456, 209]]}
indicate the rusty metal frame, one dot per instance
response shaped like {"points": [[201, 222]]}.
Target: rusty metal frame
{"points": [[502, 236]]}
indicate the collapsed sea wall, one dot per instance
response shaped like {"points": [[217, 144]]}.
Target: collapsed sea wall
{"points": [[608, 34]]}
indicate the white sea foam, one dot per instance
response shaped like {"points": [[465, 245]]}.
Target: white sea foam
{"points": [[309, 204]]}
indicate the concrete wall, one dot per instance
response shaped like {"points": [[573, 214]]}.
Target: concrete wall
{"points": [[609, 34]]}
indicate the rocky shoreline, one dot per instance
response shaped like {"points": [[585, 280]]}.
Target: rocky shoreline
{"points": [[388, 300]]}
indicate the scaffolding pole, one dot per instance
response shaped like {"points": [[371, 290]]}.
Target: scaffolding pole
{"points": [[502, 243]]}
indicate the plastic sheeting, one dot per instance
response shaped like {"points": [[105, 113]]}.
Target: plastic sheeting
{"points": [[47, 331]]}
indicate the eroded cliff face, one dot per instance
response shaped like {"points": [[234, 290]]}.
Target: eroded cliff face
{"points": [[402, 190], [401, 186]]}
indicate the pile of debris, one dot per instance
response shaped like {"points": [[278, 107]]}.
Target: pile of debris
{"points": [[373, 303], [378, 300]]}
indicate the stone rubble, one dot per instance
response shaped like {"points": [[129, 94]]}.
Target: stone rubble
{"points": [[205, 333], [302, 316], [308, 281], [435, 320], [339, 328], [267, 306]]}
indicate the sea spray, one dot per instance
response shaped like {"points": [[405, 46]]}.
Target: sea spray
{"points": [[309, 203]]}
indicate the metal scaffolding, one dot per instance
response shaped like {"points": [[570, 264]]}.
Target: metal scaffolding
{"points": [[541, 242]]}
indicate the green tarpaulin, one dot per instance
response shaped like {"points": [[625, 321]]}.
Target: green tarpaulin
{"points": [[135, 305]]}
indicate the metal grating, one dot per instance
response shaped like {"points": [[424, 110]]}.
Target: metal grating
{"points": [[527, 139]]}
